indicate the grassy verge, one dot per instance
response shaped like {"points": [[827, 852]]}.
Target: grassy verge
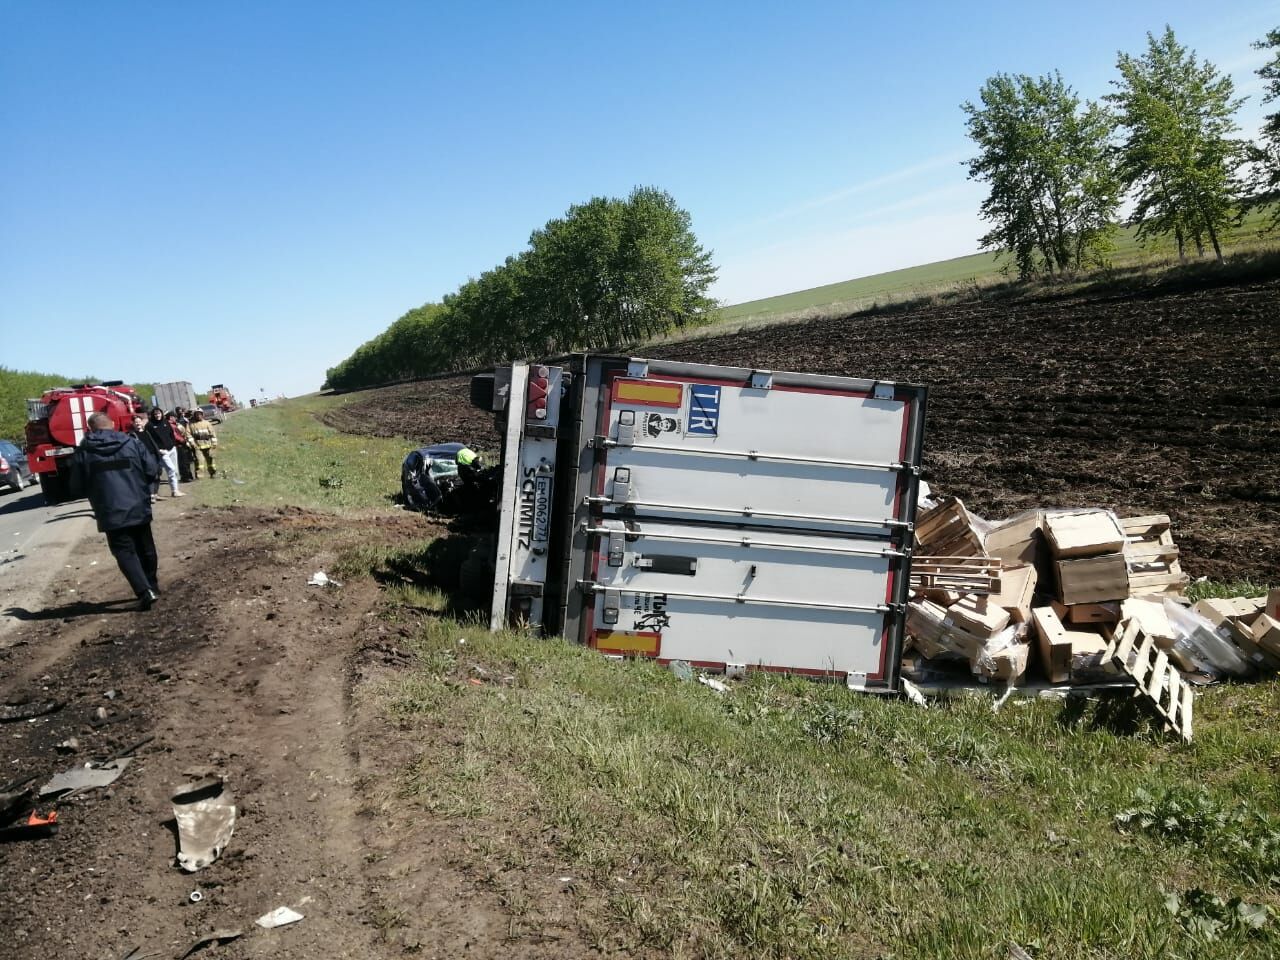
{"points": [[281, 454], [789, 819]]}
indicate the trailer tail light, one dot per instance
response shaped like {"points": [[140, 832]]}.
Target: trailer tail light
{"points": [[539, 385]]}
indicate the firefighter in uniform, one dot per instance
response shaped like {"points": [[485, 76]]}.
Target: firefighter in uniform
{"points": [[206, 441]]}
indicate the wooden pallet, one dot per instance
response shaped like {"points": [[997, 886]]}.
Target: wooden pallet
{"points": [[972, 575], [948, 530], [1152, 557], [1135, 654]]}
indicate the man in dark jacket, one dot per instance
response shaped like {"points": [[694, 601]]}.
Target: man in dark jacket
{"points": [[114, 470]]}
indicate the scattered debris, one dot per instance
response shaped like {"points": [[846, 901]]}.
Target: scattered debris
{"points": [[278, 917], [321, 579], [206, 817], [1158, 681], [912, 693], [218, 937], [681, 669], [69, 745], [195, 896], [717, 685], [33, 828], [1051, 593], [79, 779], [28, 711]]}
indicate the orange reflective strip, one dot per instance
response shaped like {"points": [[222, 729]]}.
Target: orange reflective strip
{"points": [[650, 393], [625, 642]]}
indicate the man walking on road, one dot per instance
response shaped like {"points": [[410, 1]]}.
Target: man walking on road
{"points": [[114, 470], [162, 433]]}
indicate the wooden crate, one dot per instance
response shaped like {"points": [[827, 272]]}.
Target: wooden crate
{"points": [[948, 530], [1152, 557], [971, 575], [1136, 654]]}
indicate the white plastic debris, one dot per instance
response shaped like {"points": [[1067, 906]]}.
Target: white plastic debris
{"points": [[715, 685], [278, 917], [913, 693], [321, 579]]}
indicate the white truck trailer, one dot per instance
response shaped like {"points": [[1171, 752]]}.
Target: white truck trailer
{"points": [[735, 519], [170, 396]]}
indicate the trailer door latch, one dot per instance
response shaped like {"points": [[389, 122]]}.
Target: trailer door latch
{"points": [[626, 428], [612, 606]]}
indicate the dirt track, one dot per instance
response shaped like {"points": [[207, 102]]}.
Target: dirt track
{"points": [[251, 674], [1159, 403]]}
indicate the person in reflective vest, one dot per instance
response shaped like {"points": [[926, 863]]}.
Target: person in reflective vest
{"points": [[470, 465], [206, 441]]}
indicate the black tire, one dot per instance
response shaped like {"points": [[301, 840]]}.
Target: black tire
{"points": [[475, 576], [482, 391], [56, 488], [16, 481]]}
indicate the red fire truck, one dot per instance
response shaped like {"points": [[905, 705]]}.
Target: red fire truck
{"points": [[58, 421]]}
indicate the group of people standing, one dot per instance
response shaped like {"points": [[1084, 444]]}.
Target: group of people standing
{"points": [[120, 474], [178, 441]]}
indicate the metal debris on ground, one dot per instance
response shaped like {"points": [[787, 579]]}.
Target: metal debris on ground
{"points": [[218, 936], [88, 777], [28, 711], [322, 579], [206, 816], [278, 917]]}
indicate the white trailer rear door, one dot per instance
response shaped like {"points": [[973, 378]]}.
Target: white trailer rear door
{"points": [[751, 519]]}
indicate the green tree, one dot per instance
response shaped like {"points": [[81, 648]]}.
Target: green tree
{"points": [[609, 272], [1045, 155], [1265, 157], [1178, 155]]}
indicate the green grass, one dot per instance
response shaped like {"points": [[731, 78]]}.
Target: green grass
{"points": [[791, 819], [787, 818], [960, 277], [281, 453]]}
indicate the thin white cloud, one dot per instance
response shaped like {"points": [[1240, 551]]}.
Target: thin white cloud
{"points": [[809, 261], [875, 183]]}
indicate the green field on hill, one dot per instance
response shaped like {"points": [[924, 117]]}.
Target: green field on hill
{"points": [[954, 277]]}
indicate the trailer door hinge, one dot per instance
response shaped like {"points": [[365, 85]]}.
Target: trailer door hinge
{"points": [[761, 380], [856, 680], [638, 368], [883, 391]]}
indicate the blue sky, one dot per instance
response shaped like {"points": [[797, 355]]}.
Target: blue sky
{"points": [[244, 192]]}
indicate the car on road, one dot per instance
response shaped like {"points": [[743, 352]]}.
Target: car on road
{"points": [[14, 470], [212, 413]]}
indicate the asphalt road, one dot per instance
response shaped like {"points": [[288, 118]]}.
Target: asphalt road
{"points": [[35, 542]]}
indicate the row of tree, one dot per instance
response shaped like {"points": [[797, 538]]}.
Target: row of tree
{"points": [[608, 272], [1058, 167]]}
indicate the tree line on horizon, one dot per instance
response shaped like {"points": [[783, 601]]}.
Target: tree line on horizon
{"points": [[1059, 168], [610, 271]]}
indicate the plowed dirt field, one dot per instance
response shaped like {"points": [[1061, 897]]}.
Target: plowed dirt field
{"points": [[1163, 402]]}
